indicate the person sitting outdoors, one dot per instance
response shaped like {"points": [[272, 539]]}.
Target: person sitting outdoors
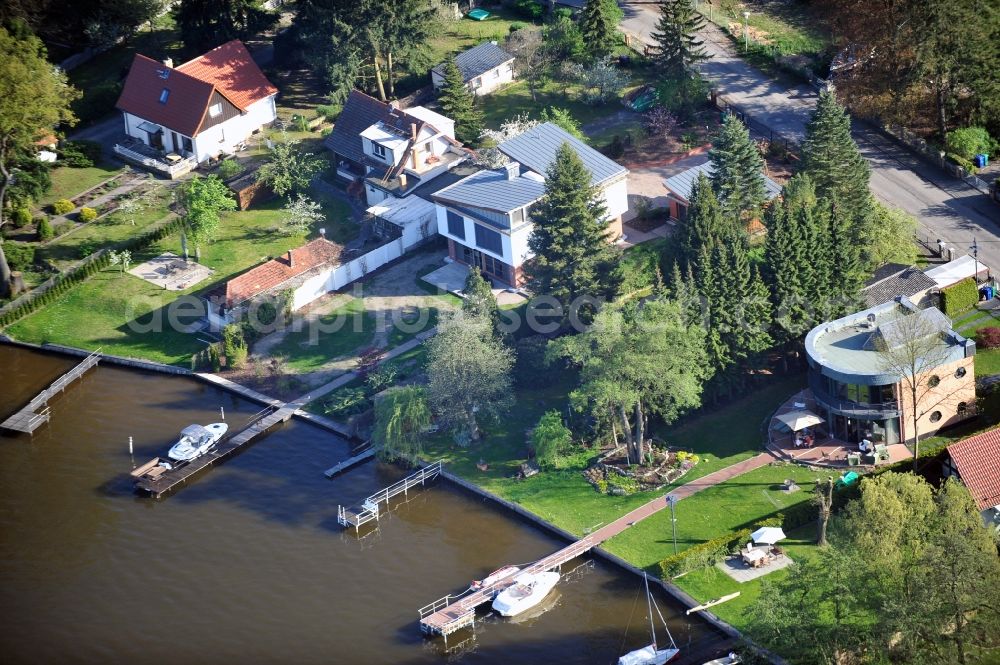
{"points": [[865, 446]]}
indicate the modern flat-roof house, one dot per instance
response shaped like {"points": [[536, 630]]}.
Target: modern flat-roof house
{"points": [[976, 462], [484, 68], [486, 217], [860, 397], [679, 188], [391, 150], [176, 117]]}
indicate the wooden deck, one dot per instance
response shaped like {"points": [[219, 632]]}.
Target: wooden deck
{"points": [[447, 615], [36, 412], [368, 511], [168, 480], [340, 467]]}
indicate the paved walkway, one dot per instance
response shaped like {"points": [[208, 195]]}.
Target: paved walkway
{"points": [[682, 492]]}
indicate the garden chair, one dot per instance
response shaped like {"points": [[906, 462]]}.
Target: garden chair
{"points": [[881, 452]]}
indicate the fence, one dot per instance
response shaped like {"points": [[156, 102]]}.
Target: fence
{"points": [[174, 170], [755, 126]]}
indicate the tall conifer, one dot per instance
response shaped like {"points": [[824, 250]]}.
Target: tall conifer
{"points": [[832, 160], [599, 27], [573, 255], [738, 173], [677, 47], [459, 104]]}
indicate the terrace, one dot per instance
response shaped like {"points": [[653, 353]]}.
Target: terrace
{"points": [[170, 165], [824, 449]]}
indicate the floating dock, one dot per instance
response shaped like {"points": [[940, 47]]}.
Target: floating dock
{"points": [[159, 485], [354, 460], [36, 412], [368, 511], [449, 614]]}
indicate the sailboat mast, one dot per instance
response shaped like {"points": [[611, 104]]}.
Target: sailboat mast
{"points": [[649, 608]]}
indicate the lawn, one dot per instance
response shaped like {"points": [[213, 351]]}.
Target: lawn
{"points": [[68, 182], [337, 334], [710, 583], [563, 496], [516, 99], [716, 511], [105, 231], [987, 362], [98, 312], [789, 26]]}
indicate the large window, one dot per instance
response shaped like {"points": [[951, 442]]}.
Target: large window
{"points": [[456, 225], [378, 149], [488, 240], [496, 268]]}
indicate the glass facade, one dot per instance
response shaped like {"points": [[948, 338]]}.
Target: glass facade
{"points": [[856, 411], [853, 429]]}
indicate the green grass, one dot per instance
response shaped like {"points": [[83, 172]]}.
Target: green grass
{"points": [[987, 362], [710, 583], [640, 263], [100, 79], [713, 512], [69, 182], [457, 36], [97, 313], [516, 99], [341, 332], [104, 232]]}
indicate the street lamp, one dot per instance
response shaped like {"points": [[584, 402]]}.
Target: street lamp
{"points": [[672, 501], [746, 32], [975, 256]]}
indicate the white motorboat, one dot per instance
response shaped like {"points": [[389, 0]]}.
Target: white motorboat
{"points": [[494, 577], [196, 440], [650, 654], [528, 590]]}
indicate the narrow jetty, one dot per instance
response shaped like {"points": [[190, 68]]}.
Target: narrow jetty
{"points": [[369, 509], [161, 483], [451, 613], [354, 460], [36, 413]]}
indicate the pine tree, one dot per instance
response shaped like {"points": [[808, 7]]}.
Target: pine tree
{"points": [[677, 46], [832, 159], [459, 104], [599, 27], [704, 225], [737, 176], [784, 257], [846, 273], [573, 255]]}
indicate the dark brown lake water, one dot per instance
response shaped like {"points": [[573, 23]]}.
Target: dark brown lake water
{"points": [[247, 564]]}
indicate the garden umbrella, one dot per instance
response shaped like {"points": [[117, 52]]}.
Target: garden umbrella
{"points": [[768, 535], [799, 420]]}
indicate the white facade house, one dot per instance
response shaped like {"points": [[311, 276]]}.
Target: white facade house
{"points": [[486, 216], [484, 68], [196, 111]]}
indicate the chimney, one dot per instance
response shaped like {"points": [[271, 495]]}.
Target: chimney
{"points": [[393, 104], [402, 181], [290, 263], [512, 169], [322, 233], [168, 62]]}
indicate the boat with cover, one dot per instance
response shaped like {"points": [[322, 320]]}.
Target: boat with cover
{"points": [[196, 440], [528, 590], [650, 654]]}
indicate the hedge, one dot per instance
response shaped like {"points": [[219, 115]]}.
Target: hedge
{"points": [[702, 555], [65, 281], [959, 297]]}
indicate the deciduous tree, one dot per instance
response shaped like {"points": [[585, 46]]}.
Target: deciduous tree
{"points": [[468, 371], [401, 416], [301, 214], [202, 199], [289, 169], [205, 24], [34, 99]]}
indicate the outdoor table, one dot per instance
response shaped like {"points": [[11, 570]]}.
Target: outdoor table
{"points": [[754, 556], [173, 157]]}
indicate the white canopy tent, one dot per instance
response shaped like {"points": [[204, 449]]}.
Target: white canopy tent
{"points": [[796, 421]]}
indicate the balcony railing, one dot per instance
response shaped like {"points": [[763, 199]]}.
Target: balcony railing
{"points": [[850, 407], [169, 169]]}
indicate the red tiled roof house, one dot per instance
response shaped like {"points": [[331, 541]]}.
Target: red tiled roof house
{"points": [[197, 110], [976, 462]]}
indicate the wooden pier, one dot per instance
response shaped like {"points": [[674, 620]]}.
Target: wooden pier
{"points": [[160, 484], [369, 509], [36, 413], [451, 613], [352, 461]]}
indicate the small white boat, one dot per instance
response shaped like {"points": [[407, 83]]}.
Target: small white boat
{"points": [[650, 654], [725, 660], [494, 577], [528, 590], [196, 440]]}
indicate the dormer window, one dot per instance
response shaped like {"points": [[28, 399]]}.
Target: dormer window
{"points": [[164, 94], [378, 149], [215, 110]]}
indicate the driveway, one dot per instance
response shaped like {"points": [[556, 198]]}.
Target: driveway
{"points": [[647, 180], [946, 207], [107, 132]]}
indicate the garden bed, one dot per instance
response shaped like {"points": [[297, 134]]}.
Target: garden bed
{"points": [[613, 474]]}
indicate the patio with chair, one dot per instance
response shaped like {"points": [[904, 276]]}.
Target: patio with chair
{"points": [[761, 556], [798, 434]]}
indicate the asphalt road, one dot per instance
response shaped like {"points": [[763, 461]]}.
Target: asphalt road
{"points": [[946, 207]]}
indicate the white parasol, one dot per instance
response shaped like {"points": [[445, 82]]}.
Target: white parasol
{"points": [[768, 535]]}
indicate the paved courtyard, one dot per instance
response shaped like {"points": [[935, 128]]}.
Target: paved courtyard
{"points": [[171, 272], [742, 572], [451, 277]]}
